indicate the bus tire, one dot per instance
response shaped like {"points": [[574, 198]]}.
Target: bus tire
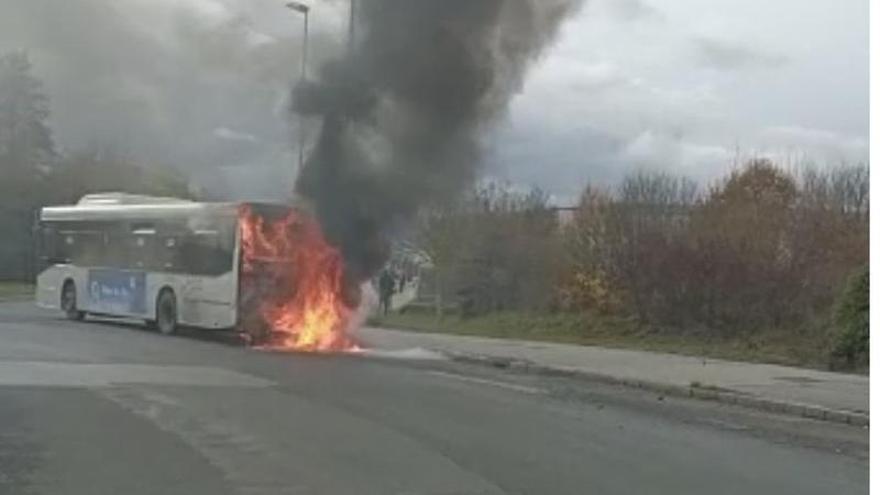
{"points": [[166, 312], [68, 302]]}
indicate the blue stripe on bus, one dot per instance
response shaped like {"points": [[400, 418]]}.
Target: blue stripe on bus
{"points": [[117, 291]]}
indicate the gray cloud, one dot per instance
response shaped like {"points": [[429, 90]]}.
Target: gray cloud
{"points": [[202, 85], [580, 156], [176, 81], [233, 135], [632, 10], [725, 55]]}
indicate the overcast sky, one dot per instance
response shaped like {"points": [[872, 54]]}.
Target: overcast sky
{"points": [[685, 86], [689, 86]]}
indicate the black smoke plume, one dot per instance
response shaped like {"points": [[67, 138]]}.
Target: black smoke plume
{"points": [[403, 114]]}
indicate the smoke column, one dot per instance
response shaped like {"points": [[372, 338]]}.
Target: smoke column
{"points": [[404, 113]]}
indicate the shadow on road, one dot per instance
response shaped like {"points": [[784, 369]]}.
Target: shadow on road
{"points": [[226, 337]]}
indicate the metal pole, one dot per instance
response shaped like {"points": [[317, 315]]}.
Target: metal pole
{"points": [[351, 26], [303, 78], [305, 58]]}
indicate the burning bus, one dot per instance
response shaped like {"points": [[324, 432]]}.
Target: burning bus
{"points": [[263, 270]]}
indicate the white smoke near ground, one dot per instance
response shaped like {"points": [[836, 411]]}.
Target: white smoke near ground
{"points": [[368, 306]]}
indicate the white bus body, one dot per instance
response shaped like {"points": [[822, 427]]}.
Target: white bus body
{"points": [[120, 252]]}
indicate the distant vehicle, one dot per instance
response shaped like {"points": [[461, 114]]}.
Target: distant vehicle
{"points": [[167, 261]]}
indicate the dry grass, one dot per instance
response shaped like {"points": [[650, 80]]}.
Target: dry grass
{"points": [[15, 291], [793, 348]]}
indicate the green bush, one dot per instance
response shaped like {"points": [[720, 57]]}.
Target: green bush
{"points": [[851, 321]]}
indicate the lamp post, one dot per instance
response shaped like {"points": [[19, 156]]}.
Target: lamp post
{"points": [[351, 25], [304, 10]]}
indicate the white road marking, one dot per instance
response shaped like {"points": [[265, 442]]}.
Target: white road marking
{"points": [[54, 374], [248, 463], [492, 383]]}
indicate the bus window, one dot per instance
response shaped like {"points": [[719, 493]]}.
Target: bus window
{"points": [[142, 249], [81, 245], [143, 229], [142, 255], [51, 250], [115, 245], [205, 252], [168, 254]]}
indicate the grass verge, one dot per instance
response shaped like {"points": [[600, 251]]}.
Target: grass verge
{"points": [[15, 291], [792, 348]]}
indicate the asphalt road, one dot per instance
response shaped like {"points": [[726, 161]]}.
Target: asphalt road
{"points": [[99, 408]]}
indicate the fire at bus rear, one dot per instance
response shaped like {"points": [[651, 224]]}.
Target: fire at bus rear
{"points": [[292, 283]]}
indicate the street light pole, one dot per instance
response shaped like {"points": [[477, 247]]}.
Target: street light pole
{"points": [[351, 25], [304, 10], [305, 55]]}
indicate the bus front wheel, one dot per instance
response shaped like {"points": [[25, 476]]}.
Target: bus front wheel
{"points": [[68, 302], [166, 313]]}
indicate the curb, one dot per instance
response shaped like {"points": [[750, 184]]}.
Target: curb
{"points": [[693, 392]]}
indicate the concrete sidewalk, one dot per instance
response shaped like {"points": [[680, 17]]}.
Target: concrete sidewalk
{"points": [[822, 395]]}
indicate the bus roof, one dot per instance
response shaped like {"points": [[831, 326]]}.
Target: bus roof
{"points": [[118, 198], [118, 206]]}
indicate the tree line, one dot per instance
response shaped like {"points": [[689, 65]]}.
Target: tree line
{"points": [[35, 172], [762, 249]]}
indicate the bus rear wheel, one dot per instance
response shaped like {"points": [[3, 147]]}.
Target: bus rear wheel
{"points": [[68, 302], [166, 313]]}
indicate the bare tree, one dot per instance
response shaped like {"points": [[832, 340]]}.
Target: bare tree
{"points": [[496, 249]]}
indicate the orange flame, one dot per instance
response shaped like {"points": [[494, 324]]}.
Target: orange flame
{"points": [[299, 283]]}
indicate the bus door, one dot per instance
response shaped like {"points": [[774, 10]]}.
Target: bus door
{"points": [[209, 288]]}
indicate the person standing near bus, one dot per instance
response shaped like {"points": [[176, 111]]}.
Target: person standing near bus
{"points": [[386, 290], [401, 281]]}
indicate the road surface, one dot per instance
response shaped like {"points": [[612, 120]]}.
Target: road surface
{"points": [[109, 408]]}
